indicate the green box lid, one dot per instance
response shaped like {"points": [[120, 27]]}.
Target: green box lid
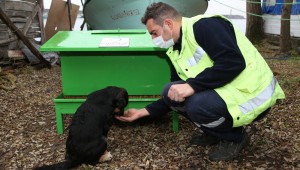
{"points": [[139, 40]]}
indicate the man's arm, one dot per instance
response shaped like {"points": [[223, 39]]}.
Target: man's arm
{"points": [[217, 38]]}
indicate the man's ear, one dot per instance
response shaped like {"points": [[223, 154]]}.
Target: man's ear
{"points": [[169, 23]]}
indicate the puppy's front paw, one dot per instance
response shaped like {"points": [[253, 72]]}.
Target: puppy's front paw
{"points": [[105, 157]]}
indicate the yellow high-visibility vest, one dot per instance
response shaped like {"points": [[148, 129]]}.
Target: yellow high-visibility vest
{"points": [[253, 91]]}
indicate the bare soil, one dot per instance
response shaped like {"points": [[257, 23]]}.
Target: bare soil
{"points": [[29, 139]]}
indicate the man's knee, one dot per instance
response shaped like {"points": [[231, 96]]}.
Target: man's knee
{"points": [[166, 89], [165, 93], [176, 106]]}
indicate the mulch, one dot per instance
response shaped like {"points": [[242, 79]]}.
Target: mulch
{"points": [[29, 139]]}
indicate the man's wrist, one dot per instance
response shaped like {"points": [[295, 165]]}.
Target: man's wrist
{"points": [[144, 112]]}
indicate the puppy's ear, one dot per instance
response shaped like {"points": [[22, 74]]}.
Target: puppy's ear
{"points": [[121, 101], [119, 107]]}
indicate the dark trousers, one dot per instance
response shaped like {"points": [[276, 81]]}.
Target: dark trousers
{"points": [[208, 111]]}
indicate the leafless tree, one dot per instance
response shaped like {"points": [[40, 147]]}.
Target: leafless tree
{"points": [[285, 32], [254, 26]]}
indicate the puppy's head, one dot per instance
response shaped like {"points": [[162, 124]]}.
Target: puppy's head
{"points": [[120, 99]]}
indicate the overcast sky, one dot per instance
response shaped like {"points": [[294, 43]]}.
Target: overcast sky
{"points": [[237, 7]]}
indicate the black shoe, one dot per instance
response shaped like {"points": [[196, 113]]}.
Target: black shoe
{"points": [[228, 150], [204, 140]]}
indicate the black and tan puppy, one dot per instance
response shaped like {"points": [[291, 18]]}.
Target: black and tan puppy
{"points": [[86, 142]]}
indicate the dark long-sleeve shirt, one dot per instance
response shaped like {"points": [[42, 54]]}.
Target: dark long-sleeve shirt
{"points": [[217, 38]]}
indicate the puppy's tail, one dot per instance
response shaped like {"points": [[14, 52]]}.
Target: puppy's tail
{"points": [[59, 166]]}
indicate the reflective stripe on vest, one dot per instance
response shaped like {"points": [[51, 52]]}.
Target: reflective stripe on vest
{"points": [[199, 53], [260, 99]]}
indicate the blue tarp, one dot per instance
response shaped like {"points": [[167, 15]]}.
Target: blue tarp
{"points": [[277, 8]]}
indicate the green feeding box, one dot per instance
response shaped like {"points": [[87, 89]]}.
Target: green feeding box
{"points": [[92, 60]]}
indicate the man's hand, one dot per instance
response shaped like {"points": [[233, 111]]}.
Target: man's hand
{"points": [[178, 92], [131, 115]]}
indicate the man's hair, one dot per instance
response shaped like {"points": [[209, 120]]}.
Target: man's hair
{"points": [[159, 11]]}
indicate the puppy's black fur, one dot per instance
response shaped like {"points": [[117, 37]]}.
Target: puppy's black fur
{"points": [[86, 141]]}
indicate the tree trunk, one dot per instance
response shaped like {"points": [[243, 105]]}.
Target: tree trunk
{"points": [[285, 29], [254, 26]]}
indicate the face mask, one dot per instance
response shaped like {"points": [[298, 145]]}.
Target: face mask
{"points": [[160, 42]]}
